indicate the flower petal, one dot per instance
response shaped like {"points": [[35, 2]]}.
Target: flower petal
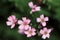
{"points": [[26, 27], [29, 35], [33, 33], [23, 18], [29, 28], [38, 20], [26, 32], [44, 36], [42, 16], [41, 31], [12, 26], [48, 35], [33, 10], [20, 22], [33, 29], [45, 29], [9, 23], [30, 4], [21, 27], [43, 23], [10, 18], [46, 19], [28, 21], [13, 16], [37, 8], [49, 30]]}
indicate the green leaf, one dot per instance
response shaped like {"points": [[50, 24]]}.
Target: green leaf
{"points": [[22, 4], [57, 15]]}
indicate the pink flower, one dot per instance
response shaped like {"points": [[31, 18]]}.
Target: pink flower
{"points": [[45, 33], [42, 20], [30, 32], [33, 7], [11, 21], [24, 23]]}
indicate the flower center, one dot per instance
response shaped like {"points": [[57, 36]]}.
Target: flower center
{"points": [[42, 20], [33, 8], [25, 23], [30, 32], [45, 33]]}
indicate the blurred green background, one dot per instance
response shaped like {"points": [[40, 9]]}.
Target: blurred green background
{"points": [[20, 8]]}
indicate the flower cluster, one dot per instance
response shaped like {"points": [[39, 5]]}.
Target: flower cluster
{"points": [[24, 24], [44, 32], [25, 28]]}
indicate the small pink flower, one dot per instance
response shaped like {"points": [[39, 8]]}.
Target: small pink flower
{"points": [[24, 23], [30, 32], [11, 21], [42, 20], [45, 33], [33, 7]]}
